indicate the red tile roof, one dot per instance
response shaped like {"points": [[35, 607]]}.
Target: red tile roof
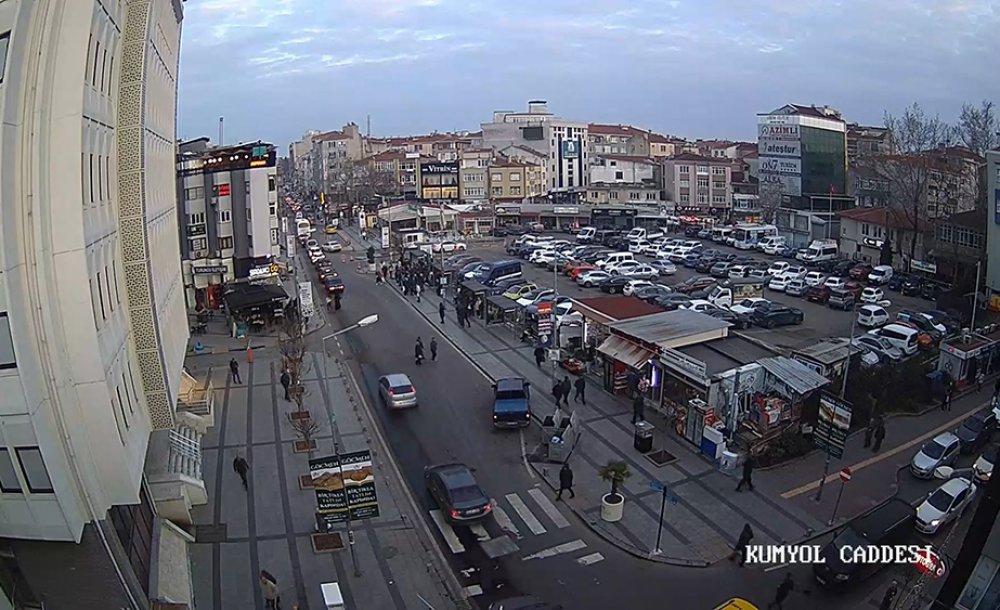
{"points": [[884, 217], [614, 130], [655, 138], [619, 308], [700, 158], [331, 135]]}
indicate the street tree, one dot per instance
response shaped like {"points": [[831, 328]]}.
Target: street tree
{"points": [[373, 180], [979, 127], [769, 198], [291, 345]]}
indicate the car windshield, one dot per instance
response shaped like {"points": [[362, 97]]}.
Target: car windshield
{"points": [[510, 395], [974, 425], [933, 449], [940, 500], [469, 493]]}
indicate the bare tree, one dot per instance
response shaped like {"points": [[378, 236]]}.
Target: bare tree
{"points": [[979, 127], [769, 197], [307, 429], [291, 345], [372, 180]]}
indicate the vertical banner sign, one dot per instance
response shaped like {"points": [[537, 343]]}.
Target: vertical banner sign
{"points": [[545, 324], [289, 246], [385, 238], [996, 198], [306, 305], [284, 224], [345, 486], [833, 424]]}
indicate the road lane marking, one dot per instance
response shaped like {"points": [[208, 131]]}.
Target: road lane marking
{"points": [[777, 567], [566, 547], [473, 590], [591, 559], [504, 521], [481, 534], [449, 535], [548, 507], [526, 515], [878, 457], [524, 455]]}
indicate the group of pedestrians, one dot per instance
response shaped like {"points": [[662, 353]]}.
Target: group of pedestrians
{"points": [[465, 310], [875, 431], [418, 351]]}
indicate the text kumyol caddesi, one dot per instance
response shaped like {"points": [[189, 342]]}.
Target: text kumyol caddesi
{"points": [[812, 553]]}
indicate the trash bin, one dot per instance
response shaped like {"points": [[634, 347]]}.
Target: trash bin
{"points": [[643, 439]]}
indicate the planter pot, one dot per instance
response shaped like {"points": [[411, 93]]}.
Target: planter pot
{"points": [[305, 481], [303, 447], [612, 511], [303, 414]]}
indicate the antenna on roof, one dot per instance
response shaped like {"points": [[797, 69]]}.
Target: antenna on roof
{"points": [[221, 120]]}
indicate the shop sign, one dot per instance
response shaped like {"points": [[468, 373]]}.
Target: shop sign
{"points": [[571, 210], [289, 245], [924, 266], [385, 238], [196, 230], [833, 423], [512, 210], [263, 271], [778, 132], [439, 168], [613, 212], [872, 243], [345, 486], [306, 305], [208, 270], [779, 148], [570, 149], [684, 364]]}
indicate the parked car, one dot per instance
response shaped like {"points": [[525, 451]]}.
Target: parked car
{"points": [[534, 296], [671, 302], [634, 286], [778, 283], [947, 503], [590, 279], [977, 430], [814, 278], [855, 287], [930, 290], [895, 283], [720, 269], [615, 284], [738, 271], [699, 305], [950, 323], [520, 290], [578, 270], [797, 288], [819, 294], [835, 282], [334, 284], [942, 450], [912, 286], [776, 314], [880, 275], [860, 271], [922, 322], [650, 293], [749, 305], [739, 321], [872, 295], [643, 272], [332, 246], [983, 467], [705, 263], [457, 493], [872, 316], [694, 284], [881, 347], [448, 246], [663, 267]]}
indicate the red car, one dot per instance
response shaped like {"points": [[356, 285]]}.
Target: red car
{"points": [[818, 294], [855, 287], [575, 273], [860, 271]]}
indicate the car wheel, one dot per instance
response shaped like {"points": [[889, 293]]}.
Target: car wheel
{"points": [[612, 289], [769, 324]]}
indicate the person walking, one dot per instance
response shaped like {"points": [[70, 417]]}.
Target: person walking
{"points": [[869, 431], [879, 437], [336, 301], [539, 356], [418, 352], [567, 387], [565, 481], [890, 596], [286, 382], [241, 467], [441, 311], [638, 409], [747, 478], [417, 290], [234, 370], [434, 349], [786, 587], [581, 385], [557, 392], [948, 395], [741, 544], [269, 590]]}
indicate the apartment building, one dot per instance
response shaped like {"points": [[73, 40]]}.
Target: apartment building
{"points": [[473, 175], [992, 228], [864, 141], [299, 157], [698, 184], [661, 146], [92, 319], [331, 155], [512, 180], [617, 140], [438, 180], [227, 202]]}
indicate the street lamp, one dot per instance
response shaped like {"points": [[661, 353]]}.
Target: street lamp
{"points": [[365, 321]]}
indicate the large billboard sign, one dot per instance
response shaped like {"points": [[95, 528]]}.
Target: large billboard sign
{"points": [[778, 132], [345, 486], [768, 147], [570, 149]]}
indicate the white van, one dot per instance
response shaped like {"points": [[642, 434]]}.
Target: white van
{"points": [[303, 227], [879, 275], [586, 235], [903, 337], [770, 244], [615, 258], [818, 251], [641, 233]]}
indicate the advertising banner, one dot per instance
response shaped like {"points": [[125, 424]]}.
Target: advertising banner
{"points": [[306, 305], [787, 184], [767, 147], [785, 166], [208, 270], [345, 486], [778, 132], [289, 245], [385, 238], [545, 323], [263, 271], [570, 149], [833, 423]]}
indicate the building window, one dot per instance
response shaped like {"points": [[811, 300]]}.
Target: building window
{"points": [[633, 196], [685, 198], [194, 193], [703, 183], [199, 243], [249, 213], [4, 44], [274, 237], [270, 183], [7, 358], [496, 177], [272, 209], [497, 191], [702, 198], [718, 171], [515, 177], [684, 183], [9, 483], [684, 169], [650, 196], [33, 469], [225, 216], [100, 296], [515, 190], [719, 199], [90, 171], [226, 243], [702, 170], [719, 185], [613, 195], [198, 218]]}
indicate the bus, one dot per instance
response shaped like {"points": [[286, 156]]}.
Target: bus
{"points": [[745, 237]]}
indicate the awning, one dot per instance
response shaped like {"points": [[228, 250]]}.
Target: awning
{"points": [[473, 286], [798, 377], [244, 296], [502, 303], [626, 352]]}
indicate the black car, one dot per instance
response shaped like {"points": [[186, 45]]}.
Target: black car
{"points": [[672, 302], [704, 264], [895, 283], [976, 430], [615, 284], [842, 268], [912, 286], [692, 231], [595, 256], [693, 284], [334, 284], [931, 290], [776, 314], [327, 271], [739, 321], [651, 293], [827, 266], [499, 231], [456, 492]]}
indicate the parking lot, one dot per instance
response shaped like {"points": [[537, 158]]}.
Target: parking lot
{"points": [[820, 321]]}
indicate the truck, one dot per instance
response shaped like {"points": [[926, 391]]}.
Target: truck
{"points": [[735, 290], [511, 403]]}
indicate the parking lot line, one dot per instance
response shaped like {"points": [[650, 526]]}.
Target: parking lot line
{"points": [[878, 457]]}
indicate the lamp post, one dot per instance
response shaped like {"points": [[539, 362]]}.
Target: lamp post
{"points": [[365, 321]]}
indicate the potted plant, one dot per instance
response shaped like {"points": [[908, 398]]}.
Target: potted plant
{"points": [[613, 503]]}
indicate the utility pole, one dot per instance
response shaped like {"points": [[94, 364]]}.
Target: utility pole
{"points": [[843, 390]]}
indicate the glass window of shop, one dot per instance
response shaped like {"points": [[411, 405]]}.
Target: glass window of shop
{"points": [[824, 160], [677, 392]]}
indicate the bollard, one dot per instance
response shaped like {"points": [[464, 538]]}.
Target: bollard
{"points": [[249, 354]]}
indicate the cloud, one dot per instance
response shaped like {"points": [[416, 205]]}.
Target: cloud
{"points": [[701, 68]]}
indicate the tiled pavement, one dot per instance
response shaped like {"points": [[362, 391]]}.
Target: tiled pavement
{"points": [[269, 526]]}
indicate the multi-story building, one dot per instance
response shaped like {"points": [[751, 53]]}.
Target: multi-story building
{"points": [[864, 141], [699, 185], [227, 202], [512, 180], [92, 319], [992, 273], [863, 232], [617, 140], [564, 144], [390, 164], [438, 180], [959, 245], [332, 154], [300, 159], [660, 146], [473, 175]]}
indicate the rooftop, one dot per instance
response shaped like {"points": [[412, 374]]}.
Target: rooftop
{"points": [[616, 308], [699, 158], [331, 135], [655, 138], [613, 130], [973, 219], [632, 158], [884, 217], [672, 328], [724, 354]]}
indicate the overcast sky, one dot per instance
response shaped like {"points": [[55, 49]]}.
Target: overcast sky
{"points": [[694, 68]]}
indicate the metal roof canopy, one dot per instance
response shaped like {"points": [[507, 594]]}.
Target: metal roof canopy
{"points": [[671, 329], [797, 376], [625, 351]]}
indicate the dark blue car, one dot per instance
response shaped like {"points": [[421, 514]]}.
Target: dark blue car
{"points": [[511, 403]]}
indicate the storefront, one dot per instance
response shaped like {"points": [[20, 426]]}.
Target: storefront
{"points": [[613, 218], [963, 357], [595, 316], [204, 282], [507, 215], [476, 222], [255, 306], [501, 310]]}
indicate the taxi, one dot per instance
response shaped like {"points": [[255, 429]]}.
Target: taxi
{"points": [[518, 291], [736, 603], [331, 230]]}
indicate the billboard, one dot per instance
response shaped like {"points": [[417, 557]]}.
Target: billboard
{"points": [[785, 166], [778, 148], [833, 424], [570, 149], [786, 185], [778, 132], [345, 486]]}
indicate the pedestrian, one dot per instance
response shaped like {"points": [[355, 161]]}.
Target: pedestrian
{"points": [[980, 378], [741, 544], [581, 385], [418, 352], [539, 356], [557, 392], [234, 369], [638, 409], [869, 430], [890, 596], [269, 590], [286, 382], [441, 311], [781, 594], [567, 387], [747, 478], [417, 290], [241, 467], [879, 436], [996, 388], [948, 396], [434, 349], [565, 481], [460, 316], [336, 301]]}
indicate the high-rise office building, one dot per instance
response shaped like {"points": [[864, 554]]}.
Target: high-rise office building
{"points": [[92, 322]]}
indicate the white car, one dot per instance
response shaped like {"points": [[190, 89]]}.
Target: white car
{"points": [[663, 267], [773, 248], [699, 305], [545, 258], [983, 467], [794, 273], [872, 316], [638, 246], [635, 286], [834, 282], [664, 252], [778, 283], [332, 246], [535, 296], [738, 271], [777, 268], [623, 267], [449, 246], [645, 272], [813, 278], [592, 278], [748, 305], [945, 504], [872, 295]]}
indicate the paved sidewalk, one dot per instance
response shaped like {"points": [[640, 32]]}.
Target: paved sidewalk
{"points": [[268, 527], [703, 515]]}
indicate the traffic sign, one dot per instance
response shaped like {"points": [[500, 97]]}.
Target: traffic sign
{"points": [[845, 475]]}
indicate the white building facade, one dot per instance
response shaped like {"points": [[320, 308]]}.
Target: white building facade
{"points": [[92, 323]]}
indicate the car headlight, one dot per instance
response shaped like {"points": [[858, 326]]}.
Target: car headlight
{"points": [[935, 522]]}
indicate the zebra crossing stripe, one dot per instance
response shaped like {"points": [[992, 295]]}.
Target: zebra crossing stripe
{"points": [[481, 534], [473, 590], [548, 507], [526, 515], [587, 560], [567, 547], [449, 535], [504, 521]]}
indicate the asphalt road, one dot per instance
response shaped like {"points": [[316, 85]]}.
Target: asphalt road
{"points": [[452, 423]]}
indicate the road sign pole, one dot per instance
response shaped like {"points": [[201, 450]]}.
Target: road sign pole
{"points": [[836, 505], [826, 471], [659, 529]]}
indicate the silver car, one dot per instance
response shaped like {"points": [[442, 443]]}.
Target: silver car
{"points": [[396, 391], [942, 450]]}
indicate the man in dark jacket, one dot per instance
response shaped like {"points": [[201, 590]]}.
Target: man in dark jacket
{"points": [[234, 370], [741, 544], [781, 594], [241, 467], [539, 356], [441, 311], [418, 352], [286, 382], [879, 437], [747, 478], [557, 392], [565, 481], [638, 409], [581, 385], [434, 349], [567, 387]]}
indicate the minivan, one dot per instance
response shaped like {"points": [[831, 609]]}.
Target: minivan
{"points": [[501, 270], [879, 275], [903, 337], [818, 251], [771, 243], [586, 235], [615, 258]]}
